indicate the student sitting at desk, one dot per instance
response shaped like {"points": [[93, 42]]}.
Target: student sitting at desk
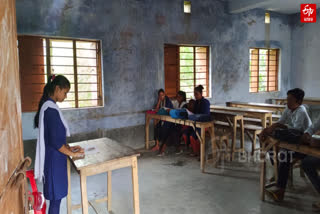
{"points": [[162, 129], [176, 132], [291, 126], [202, 106], [180, 101], [311, 164]]}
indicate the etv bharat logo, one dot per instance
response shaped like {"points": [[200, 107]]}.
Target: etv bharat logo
{"points": [[308, 13]]}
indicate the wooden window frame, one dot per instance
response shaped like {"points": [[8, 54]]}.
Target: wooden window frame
{"points": [[99, 91], [194, 66], [268, 70]]}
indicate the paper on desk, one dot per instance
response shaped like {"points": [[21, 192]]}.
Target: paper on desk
{"points": [[90, 150], [189, 112]]}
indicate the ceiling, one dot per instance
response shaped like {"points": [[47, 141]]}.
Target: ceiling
{"points": [[280, 6]]}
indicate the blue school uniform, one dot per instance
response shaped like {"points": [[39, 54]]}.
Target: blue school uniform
{"points": [[202, 106], [55, 185], [162, 129]]}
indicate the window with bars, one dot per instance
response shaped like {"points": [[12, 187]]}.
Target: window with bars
{"points": [[193, 69], [78, 60], [264, 70]]}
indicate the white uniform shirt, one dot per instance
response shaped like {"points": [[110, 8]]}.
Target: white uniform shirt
{"points": [[297, 119], [176, 105]]}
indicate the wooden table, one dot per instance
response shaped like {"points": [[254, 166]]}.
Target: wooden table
{"points": [[264, 115], [276, 144], [306, 100], [202, 138], [232, 118], [264, 106], [102, 155]]}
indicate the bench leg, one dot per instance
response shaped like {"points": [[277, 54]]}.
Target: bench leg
{"points": [[234, 139], [262, 173], [254, 142], [84, 196], [109, 190], [135, 186], [69, 201]]}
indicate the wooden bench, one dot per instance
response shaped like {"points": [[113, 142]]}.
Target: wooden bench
{"points": [[263, 106], [264, 115], [306, 100], [276, 144], [256, 121], [202, 125], [254, 129], [232, 118]]}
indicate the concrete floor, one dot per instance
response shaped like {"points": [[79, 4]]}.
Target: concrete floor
{"points": [[173, 184]]}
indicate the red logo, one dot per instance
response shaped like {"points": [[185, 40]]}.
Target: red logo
{"points": [[308, 13]]}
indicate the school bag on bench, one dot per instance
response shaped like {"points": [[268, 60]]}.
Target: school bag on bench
{"points": [[39, 202], [179, 114]]}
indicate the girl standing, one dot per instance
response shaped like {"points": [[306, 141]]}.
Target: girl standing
{"points": [[52, 151]]}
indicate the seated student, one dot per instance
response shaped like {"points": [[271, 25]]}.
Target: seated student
{"points": [[294, 117], [162, 129], [311, 164], [291, 126], [180, 101], [202, 106], [176, 133]]}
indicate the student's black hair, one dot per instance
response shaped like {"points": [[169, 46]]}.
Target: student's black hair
{"points": [[48, 90], [183, 95], [160, 90], [297, 93], [199, 89], [192, 101]]}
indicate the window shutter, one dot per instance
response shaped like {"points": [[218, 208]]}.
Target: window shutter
{"points": [[273, 70], [171, 69], [254, 70], [32, 71]]}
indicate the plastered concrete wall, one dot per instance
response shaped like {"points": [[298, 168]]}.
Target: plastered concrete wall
{"points": [[133, 33], [305, 59]]}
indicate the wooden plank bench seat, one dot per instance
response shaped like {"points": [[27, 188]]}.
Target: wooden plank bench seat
{"points": [[249, 128]]}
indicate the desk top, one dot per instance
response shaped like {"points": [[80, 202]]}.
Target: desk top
{"points": [[229, 113], [236, 109], [101, 150], [258, 104], [306, 100], [185, 122]]}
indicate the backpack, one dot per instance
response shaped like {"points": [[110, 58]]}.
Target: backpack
{"points": [[179, 113], [162, 111]]}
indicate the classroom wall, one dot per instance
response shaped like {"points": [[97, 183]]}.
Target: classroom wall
{"points": [[305, 55], [133, 33], [305, 59]]}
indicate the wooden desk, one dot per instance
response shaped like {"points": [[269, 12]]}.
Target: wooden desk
{"points": [[106, 156], [276, 144], [232, 118], [264, 115], [202, 137], [306, 100], [264, 106]]}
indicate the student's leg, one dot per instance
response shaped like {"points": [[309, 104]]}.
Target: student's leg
{"points": [[285, 160], [157, 136], [310, 165], [195, 143], [54, 206], [186, 132]]}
